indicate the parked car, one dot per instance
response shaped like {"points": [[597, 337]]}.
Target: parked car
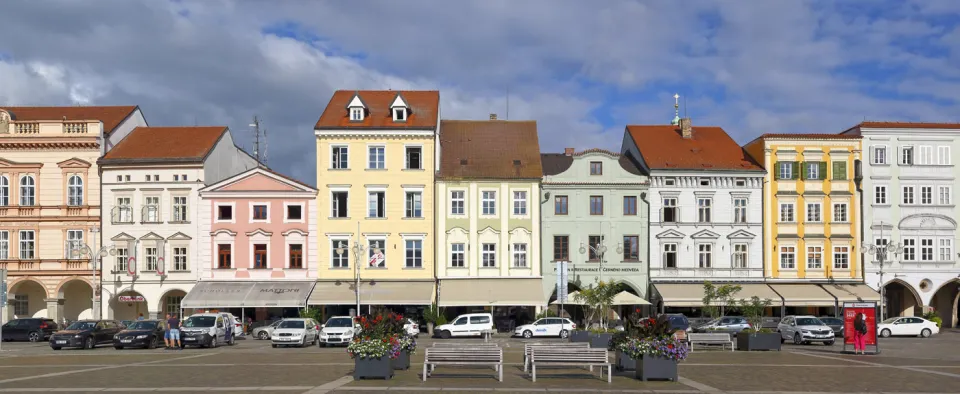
{"points": [[546, 327], [125, 323], [726, 324], [679, 323], [835, 324], [29, 329], [206, 330], [147, 334], [86, 334], [412, 328], [472, 324], [804, 330], [264, 332], [913, 326], [299, 332], [338, 330]]}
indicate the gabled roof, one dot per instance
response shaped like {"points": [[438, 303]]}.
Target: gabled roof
{"points": [[489, 149], [166, 144], [900, 125], [808, 136], [556, 163], [424, 107], [261, 171], [662, 147], [111, 116]]}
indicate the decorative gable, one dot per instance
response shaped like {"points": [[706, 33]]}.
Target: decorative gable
{"points": [[705, 234], [488, 230], [671, 234], [357, 108], [259, 182], [259, 231], [399, 109], [457, 231], [741, 234], [122, 237], [151, 236], [180, 237], [73, 163], [927, 221], [13, 165]]}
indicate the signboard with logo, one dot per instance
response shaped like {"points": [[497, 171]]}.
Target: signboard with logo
{"points": [[161, 267], [850, 312], [126, 298], [132, 260], [376, 259], [562, 281]]}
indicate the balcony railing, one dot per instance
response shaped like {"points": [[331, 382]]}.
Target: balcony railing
{"points": [[150, 214], [27, 128], [75, 128], [122, 215]]}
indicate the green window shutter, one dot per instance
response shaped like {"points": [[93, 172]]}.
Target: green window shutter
{"points": [[796, 170], [803, 171], [823, 170], [776, 170], [840, 170]]}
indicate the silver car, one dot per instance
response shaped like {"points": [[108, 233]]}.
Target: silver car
{"points": [[728, 324], [803, 330], [264, 332]]}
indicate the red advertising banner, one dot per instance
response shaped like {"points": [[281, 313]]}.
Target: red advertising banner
{"points": [[850, 311]]}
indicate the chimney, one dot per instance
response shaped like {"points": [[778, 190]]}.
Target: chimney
{"points": [[568, 152], [493, 116], [686, 128]]}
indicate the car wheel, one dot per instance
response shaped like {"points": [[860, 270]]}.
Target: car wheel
{"points": [[828, 343], [88, 343], [321, 344], [527, 334], [263, 335], [781, 337], [35, 336], [214, 343], [925, 333], [797, 340], [445, 334], [118, 347], [274, 345], [885, 333], [56, 348], [233, 341], [564, 334], [153, 343]]}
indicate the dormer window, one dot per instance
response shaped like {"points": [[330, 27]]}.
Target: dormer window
{"points": [[400, 114], [357, 109], [356, 114]]}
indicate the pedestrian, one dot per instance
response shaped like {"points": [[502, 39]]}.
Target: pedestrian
{"points": [[173, 324], [249, 325], [140, 317], [860, 334], [166, 332]]}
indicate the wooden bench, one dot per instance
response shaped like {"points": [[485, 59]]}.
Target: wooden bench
{"points": [[476, 355], [711, 338], [463, 344], [579, 357], [527, 348]]}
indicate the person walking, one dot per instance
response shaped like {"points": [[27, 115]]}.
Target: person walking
{"points": [[166, 331], [860, 334], [173, 324], [140, 317]]}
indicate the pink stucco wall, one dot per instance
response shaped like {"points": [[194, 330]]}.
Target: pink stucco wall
{"points": [[276, 249]]}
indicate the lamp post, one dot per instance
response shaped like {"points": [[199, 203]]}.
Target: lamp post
{"points": [[95, 261], [882, 251], [598, 250]]}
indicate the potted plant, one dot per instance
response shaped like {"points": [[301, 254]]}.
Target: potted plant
{"points": [[755, 337], [408, 346], [601, 337], [434, 317], [377, 343], [934, 317], [653, 349], [623, 362]]}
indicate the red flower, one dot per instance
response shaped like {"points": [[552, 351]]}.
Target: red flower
{"points": [[670, 346]]}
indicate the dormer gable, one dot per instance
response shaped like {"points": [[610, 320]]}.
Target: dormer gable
{"points": [[357, 109], [399, 109]]}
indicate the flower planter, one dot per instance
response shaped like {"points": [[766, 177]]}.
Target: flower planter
{"points": [[402, 361], [625, 363], [653, 367], [580, 336], [372, 368], [600, 341], [758, 341]]}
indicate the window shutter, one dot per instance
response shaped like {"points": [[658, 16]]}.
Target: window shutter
{"points": [[776, 170], [840, 170], [823, 170], [795, 174], [803, 171], [873, 155]]}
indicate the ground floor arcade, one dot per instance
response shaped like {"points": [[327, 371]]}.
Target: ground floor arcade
{"points": [[62, 298], [920, 293]]}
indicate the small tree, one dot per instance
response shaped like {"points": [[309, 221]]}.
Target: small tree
{"points": [[716, 298], [598, 298], [753, 309]]}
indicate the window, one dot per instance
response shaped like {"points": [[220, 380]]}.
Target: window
{"points": [[151, 259], [489, 255], [259, 256], [520, 255], [27, 190], [595, 242], [841, 257], [704, 210], [907, 195], [880, 194], [356, 114], [457, 202], [20, 304], [183, 177], [560, 205], [151, 209], [879, 155], [176, 178], [839, 170], [341, 254], [173, 304], [596, 168], [457, 255], [413, 204], [785, 170], [813, 170], [75, 191], [945, 192], [671, 214], [909, 249], [561, 248], [260, 212], [786, 212], [156, 178], [813, 213], [4, 191], [926, 249], [414, 253], [946, 249], [669, 181], [840, 213], [124, 213], [788, 258], [399, 114], [74, 243], [121, 262], [179, 208], [179, 259], [296, 256], [943, 155], [376, 204], [414, 158], [704, 181], [740, 256], [224, 256], [147, 178], [740, 182], [669, 255], [4, 245], [489, 202], [815, 257], [926, 195], [376, 160], [340, 158], [739, 210], [519, 203], [119, 178], [926, 155], [225, 212], [906, 155], [27, 243], [294, 212], [630, 205], [126, 178], [377, 253], [631, 248], [596, 205], [339, 204], [705, 255]]}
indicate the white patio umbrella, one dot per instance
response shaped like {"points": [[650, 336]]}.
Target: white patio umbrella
{"points": [[571, 300], [627, 298]]}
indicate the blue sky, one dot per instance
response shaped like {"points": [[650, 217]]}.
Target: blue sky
{"points": [[581, 69]]}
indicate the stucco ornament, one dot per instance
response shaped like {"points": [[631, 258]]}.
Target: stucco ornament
{"points": [[4, 122]]}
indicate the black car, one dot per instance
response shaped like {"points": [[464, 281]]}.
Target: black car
{"points": [[30, 329], [85, 334], [835, 323], [147, 334]]}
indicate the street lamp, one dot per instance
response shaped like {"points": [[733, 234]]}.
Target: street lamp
{"points": [[95, 261], [882, 251], [358, 249]]}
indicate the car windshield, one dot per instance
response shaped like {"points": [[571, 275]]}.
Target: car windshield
{"points": [[200, 321], [808, 321], [890, 320], [342, 322], [142, 325], [291, 324], [82, 325]]}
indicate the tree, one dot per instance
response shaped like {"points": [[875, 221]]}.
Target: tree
{"points": [[753, 311], [716, 298], [598, 298]]}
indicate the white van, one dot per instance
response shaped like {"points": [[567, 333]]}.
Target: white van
{"points": [[207, 330], [469, 325]]}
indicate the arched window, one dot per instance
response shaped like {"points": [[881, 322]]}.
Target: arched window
{"points": [[75, 190], [4, 191], [27, 191]]}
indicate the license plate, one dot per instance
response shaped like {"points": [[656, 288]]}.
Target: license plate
{"points": [[333, 340], [189, 339], [61, 342], [126, 340]]}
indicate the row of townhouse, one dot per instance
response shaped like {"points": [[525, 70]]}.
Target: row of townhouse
{"points": [[410, 209]]}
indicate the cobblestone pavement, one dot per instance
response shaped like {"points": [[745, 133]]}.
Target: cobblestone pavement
{"points": [[906, 365]]}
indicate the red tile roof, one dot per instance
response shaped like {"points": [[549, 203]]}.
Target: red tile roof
{"points": [[152, 144], [903, 125], [424, 106], [110, 116], [489, 149], [663, 147], [810, 136]]}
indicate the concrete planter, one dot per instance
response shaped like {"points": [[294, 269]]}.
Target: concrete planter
{"points": [[600, 341], [758, 341], [580, 336], [402, 361], [372, 368], [652, 367], [624, 362]]}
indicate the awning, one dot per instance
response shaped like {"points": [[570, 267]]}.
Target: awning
{"points": [[626, 298], [852, 293], [691, 294], [214, 294], [373, 293], [217, 295], [804, 295], [494, 292], [762, 291], [278, 294]]}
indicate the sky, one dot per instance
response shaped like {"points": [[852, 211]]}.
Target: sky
{"points": [[581, 69]]}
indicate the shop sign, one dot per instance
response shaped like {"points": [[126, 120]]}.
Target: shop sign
{"points": [[124, 298]]}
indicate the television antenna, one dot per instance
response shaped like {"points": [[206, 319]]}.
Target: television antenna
{"points": [[260, 155]]}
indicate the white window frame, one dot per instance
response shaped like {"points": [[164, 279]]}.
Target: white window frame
{"points": [[786, 170], [813, 170], [4, 191], [185, 208], [926, 155], [462, 253], [406, 260], [879, 155], [841, 213], [519, 252], [484, 201], [880, 194], [928, 198], [372, 204], [406, 160], [74, 190], [945, 247], [844, 262], [740, 210], [345, 257], [945, 195], [120, 264], [484, 253], [412, 212], [267, 204], [904, 197], [741, 256], [286, 204], [333, 203], [74, 242], [150, 259], [669, 181], [4, 245], [943, 155], [704, 210], [31, 240], [788, 251], [907, 156], [791, 212], [818, 211], [910, 249], [670, 203], [28, 199], [394, 112], [176, 256], [665, 250], [233, 212], [356, 114], [341, 148], [928, 249], [383, 161], [456, 210], [147, 204], [814, 257], [705, 255], [520, 204], [376, 238]]}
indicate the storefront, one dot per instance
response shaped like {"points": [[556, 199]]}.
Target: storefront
{"points": [[338, 298], [259, 300], [512, 302], [687, 298], [806, 299]]}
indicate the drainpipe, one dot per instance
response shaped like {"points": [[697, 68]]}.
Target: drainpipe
{"points": [[646, 223], [858, 183]]}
